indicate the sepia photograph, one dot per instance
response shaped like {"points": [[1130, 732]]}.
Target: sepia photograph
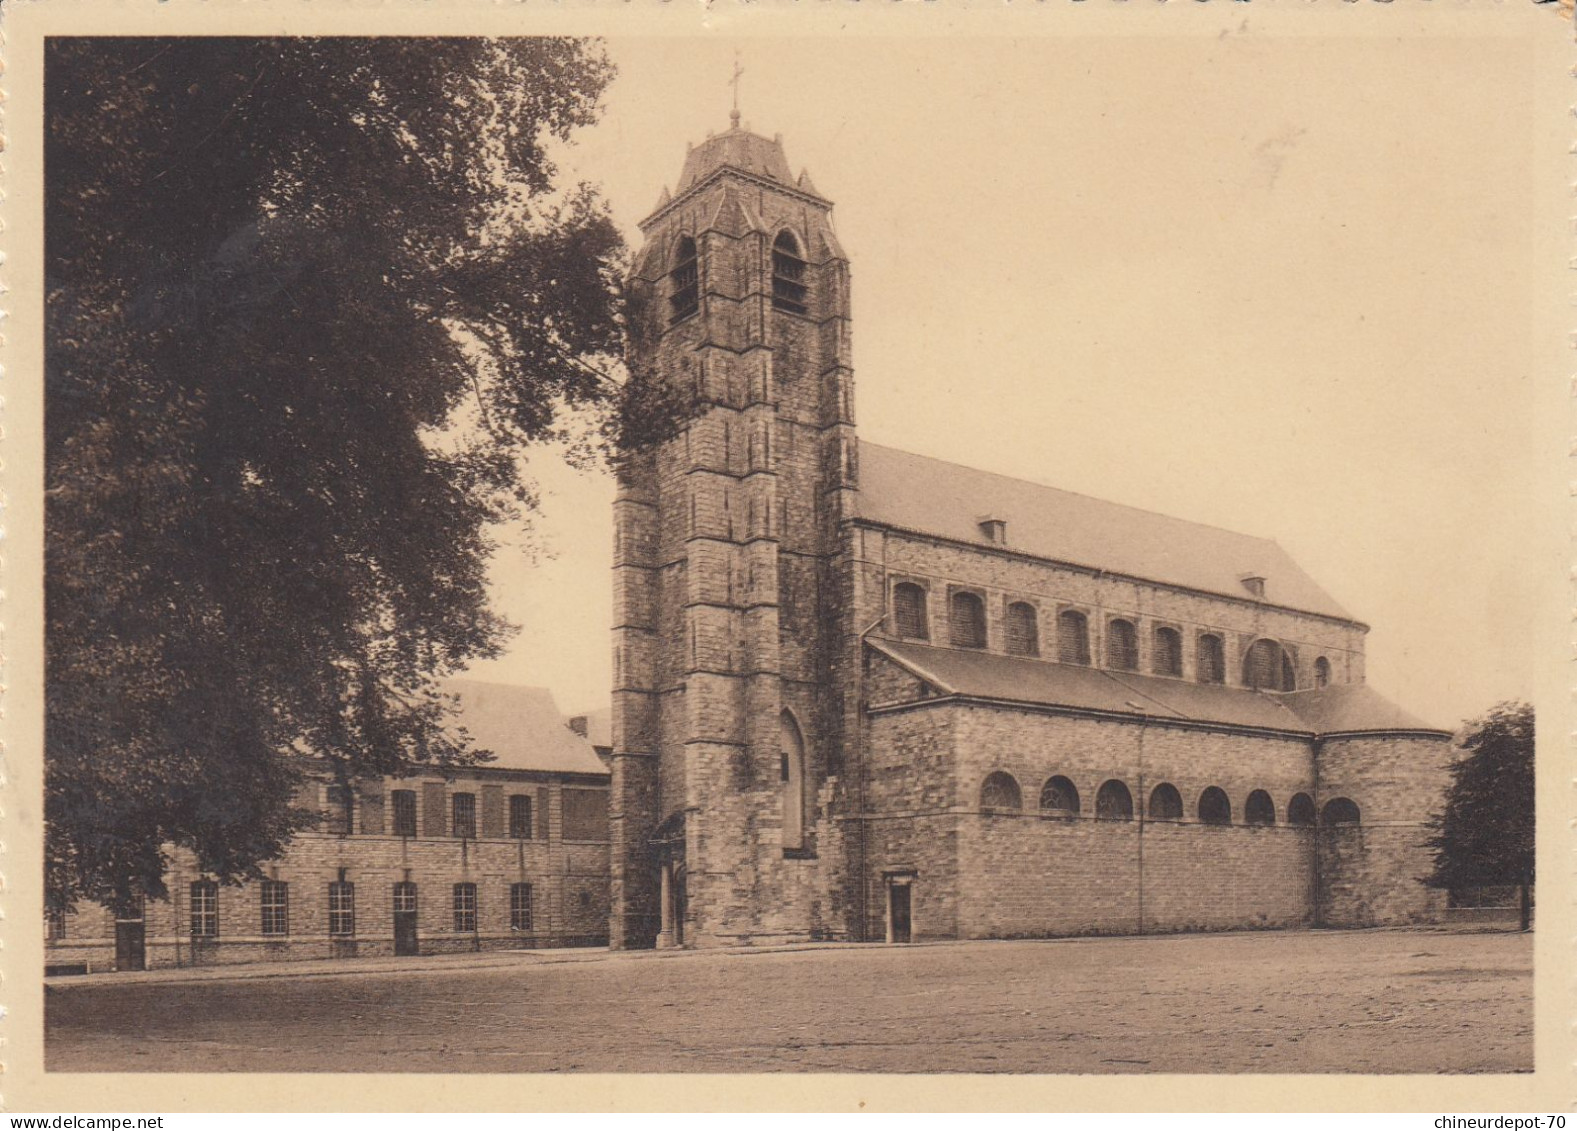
{"points": [[676, 549]]}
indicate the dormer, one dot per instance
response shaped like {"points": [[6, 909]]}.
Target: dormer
{"points": [[994, 530], [1255, 584]]}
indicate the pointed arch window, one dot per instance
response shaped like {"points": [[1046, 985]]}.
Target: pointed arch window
{"points": [[684, 281], [788, 274], [792, 775]]}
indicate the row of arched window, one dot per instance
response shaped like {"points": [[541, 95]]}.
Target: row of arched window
{"points": [[1266, 665], [1113, 802], [788, 277]]}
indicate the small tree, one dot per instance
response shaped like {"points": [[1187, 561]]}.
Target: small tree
{"points": [[1485, 834]]}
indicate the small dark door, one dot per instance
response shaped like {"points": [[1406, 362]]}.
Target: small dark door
{"points": [[898, 901], [405, 919], [130, 945]]}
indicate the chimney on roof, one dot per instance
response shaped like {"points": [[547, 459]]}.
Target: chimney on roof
{"points": [[578, 725], [1255, 584], [994, 530]]}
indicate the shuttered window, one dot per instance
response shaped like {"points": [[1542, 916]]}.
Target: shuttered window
{"points": [[492, 811], [339, 815], [1264, 667], [585, 814], [370, 796], [435, 813]]}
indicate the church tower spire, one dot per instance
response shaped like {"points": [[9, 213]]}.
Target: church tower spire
{"points": [[727, 734]]}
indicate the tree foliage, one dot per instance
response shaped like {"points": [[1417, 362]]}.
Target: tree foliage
{"points": [[1484, 836], [306, 300]]}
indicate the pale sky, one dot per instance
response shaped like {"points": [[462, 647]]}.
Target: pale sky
{"points": [[1276, 285]]}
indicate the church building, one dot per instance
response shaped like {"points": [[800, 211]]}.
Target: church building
{"points": [[868, 695]]}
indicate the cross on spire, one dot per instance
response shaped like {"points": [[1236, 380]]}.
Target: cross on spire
{"points": [[733, 117]]}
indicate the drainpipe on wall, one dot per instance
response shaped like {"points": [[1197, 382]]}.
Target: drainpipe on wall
{"points": [[859, 768], [1144, 718]]}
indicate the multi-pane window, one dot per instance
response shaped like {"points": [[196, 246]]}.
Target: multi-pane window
{"points": [[520, 816], [276, 907], [788, 274], [465, 816], [465, 908], [205, 909], [1073, 637], [54, 924], [520, 907], [1168, 659], [1022, 630], [909, 610], [339, 822], [1000, 791], [405, 896], [342, 908], [967, 620], [404, 812], [1122, 646], [684, 295], [1211, 665]]}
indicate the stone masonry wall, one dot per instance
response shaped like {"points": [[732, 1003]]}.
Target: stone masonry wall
{"points": [[886, 558], [1369, 873]]}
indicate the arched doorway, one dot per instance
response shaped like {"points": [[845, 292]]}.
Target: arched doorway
{"points": [[668, 846]]}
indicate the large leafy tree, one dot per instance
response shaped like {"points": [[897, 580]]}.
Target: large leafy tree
{"points": [[307, 298], [1484, 836]]}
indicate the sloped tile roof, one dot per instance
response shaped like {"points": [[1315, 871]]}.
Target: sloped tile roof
{"points": [[739, 149], [1351, 707], [523, 727], [933, 496], [1018, 679]]}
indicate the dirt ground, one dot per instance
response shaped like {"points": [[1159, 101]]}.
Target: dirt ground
{"points": [[1371, 1001]]}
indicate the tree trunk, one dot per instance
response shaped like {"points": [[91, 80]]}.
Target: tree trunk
{"points": [[1526, 909]]}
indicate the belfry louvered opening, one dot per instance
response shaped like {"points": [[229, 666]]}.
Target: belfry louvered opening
{"points": [[788, 274], [684, 281]]}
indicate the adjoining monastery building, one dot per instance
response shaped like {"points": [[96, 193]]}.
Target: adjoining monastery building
{"points": [[509, 854], [863, 694]]}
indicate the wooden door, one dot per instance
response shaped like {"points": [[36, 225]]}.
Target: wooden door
{"points": [[405, 919], [130, 945], [898, 906]]}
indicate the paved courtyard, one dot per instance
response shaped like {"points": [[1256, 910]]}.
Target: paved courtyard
{"points": [[1373, 1001]]}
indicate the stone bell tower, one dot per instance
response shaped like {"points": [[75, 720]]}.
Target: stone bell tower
{"points": [[728, 732]]}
